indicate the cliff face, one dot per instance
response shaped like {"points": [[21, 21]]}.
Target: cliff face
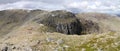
{"points": [[62, 21]]}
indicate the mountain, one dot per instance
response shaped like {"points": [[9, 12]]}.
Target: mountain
{"points": [[40, 30], [12, 19]]}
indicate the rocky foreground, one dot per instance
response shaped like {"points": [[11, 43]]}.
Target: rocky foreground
{"points": [[39, 30]]}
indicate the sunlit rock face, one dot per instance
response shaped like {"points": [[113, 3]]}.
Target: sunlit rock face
{"points": [[62, 21]]}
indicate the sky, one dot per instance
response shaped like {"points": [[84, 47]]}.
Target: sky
{"points": [[105, 6]]}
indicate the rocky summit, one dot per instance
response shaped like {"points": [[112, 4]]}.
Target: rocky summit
{"points": [[62, 21]]}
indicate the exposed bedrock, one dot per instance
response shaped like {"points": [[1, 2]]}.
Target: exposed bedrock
{"points": [[62, 21]]}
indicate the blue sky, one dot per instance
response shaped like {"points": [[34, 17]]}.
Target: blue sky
{"points": [[106, 6]]}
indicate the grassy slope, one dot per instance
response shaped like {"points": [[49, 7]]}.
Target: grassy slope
{"points": [[13, 19], [35, 36], [10, 19], [30, 34]]}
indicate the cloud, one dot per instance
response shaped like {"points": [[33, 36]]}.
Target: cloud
{"points": [[71, 5], [6, 1], [96, 6], [30, 5]]}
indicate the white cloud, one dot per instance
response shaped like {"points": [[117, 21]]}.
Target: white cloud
{"points": [[72, 5], [30, 5]]}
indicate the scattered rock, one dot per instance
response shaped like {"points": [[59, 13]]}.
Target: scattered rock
{"points": [[49, 39], [59, 41], [5, 49]]}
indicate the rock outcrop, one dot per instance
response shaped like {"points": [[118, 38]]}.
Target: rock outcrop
{"points": [[62, 21], [89, 27]]}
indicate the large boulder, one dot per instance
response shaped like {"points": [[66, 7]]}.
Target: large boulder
{"points": [[62, 21]]}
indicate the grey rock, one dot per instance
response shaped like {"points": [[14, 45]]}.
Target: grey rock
{"points": [[5, 49], [59, 41], [62, 21]]}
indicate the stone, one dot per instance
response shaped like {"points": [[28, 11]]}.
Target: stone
{"points": [[5, 49]]}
